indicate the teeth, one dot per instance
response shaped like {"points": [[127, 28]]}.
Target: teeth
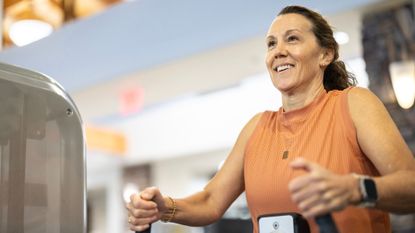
{"points": [[283, 67]]}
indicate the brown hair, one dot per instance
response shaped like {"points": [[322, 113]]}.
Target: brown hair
{"points": [[335, 75]]}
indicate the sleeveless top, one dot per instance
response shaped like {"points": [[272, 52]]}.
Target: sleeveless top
{"points": [[322, 132]]}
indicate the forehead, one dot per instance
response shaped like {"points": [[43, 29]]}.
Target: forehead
{"points": [[283, 23]]}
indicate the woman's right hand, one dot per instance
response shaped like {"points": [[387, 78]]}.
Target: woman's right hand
{"points": [[145, 208]]}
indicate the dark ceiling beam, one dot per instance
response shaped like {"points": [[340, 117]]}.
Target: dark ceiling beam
{"points": [[68, 9], [7, 3]]}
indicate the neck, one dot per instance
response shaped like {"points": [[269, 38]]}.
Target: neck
{"points": [[296, 100]]}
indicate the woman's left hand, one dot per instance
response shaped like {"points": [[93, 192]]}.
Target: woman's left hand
{"points": [[321, 191]]}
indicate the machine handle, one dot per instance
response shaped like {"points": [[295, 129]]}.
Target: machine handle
{"points": [[326, 224], [148, 230]]}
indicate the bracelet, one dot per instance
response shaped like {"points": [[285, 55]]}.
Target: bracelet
{"points": [[171, 212]]}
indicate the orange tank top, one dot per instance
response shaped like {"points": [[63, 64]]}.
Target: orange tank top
{"points": [[322, 132]]}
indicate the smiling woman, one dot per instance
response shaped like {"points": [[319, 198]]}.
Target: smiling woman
{"points": [[301, 39], [331, 147], [294, 59]]}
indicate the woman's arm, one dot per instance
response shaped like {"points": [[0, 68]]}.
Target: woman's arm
{"points": [[203, 207], [321, 191], [383, 144], [210, 204]]}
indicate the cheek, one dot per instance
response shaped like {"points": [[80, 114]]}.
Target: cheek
{"points": [[300, 55], [268, 62], [308, 60], [268, 59]]}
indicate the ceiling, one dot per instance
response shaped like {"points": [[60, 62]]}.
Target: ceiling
{"points": [[140, 34], [54, 12]]}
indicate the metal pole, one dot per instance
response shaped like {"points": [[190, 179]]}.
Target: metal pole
{"points": [[17, 173]]}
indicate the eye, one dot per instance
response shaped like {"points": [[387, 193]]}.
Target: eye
{"points": [[271, 44], [292, 38]]}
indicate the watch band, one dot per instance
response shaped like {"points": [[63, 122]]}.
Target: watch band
{"points": [[367, 187]]}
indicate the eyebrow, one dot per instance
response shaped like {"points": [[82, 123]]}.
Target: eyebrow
{"points": [[270, 37]]}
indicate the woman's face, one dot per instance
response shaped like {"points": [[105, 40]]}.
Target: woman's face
{"points": [[294, 59]]}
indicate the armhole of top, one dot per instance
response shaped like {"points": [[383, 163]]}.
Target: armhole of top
{"points": [[259, 125], [350, 129]]}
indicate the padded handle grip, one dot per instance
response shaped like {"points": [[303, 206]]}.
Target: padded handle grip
{"points": [[326, 224], [148, 230]]}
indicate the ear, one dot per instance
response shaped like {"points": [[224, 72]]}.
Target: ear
{"points": [[326, 57]]}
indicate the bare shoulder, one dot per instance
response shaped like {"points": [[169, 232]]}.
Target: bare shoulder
{"points": [[251, 125], [363, 102], [359, 96], [377, 134], [254, 120]]}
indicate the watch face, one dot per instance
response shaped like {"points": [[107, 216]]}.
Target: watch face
{"points": [[370, 186]]}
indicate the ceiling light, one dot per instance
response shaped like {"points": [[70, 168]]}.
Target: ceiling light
{"points": [[26, 31], [341, 37], [403, 82], [30, 20]]}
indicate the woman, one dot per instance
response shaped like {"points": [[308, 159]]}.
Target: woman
{"points": [[306, 157]]}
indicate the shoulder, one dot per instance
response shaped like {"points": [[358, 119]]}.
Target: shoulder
{"points": [[367, 111], [253, 122], [362, 100], [250, 126], [359, 95], [377, 134]]}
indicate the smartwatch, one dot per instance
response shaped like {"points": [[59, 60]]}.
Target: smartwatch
{"points": [[368, 190]]}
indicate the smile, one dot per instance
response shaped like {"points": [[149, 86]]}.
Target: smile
{"points": [[284, 67]]}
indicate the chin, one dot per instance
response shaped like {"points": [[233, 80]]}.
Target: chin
{"points": [[282, 87], [285, 90]]}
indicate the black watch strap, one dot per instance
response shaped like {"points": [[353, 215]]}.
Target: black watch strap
{"points": [[368, 190]]}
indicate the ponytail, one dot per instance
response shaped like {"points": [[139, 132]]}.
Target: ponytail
{"points": [[336, 77]]}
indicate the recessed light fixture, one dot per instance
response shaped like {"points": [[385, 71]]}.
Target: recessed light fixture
{"points": [[403, 82], [26, 31], [30, 20]]}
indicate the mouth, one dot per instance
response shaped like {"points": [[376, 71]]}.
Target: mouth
{"points": [[283, 67]]}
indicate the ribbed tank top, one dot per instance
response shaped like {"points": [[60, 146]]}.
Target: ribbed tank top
{"points": [[322, 132]]}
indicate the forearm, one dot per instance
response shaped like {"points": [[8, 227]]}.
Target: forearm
{"points": [[396, 192], [196, 210]]}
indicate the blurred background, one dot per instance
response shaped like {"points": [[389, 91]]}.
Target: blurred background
{"points": [[164, 87]]}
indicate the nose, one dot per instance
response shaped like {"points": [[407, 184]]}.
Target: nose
{"points": [[280, 50]]}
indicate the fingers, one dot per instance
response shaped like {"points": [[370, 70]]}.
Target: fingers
{"points": [[145, 199], [324, 206], [138, 202], [142, 213], [150, 193], [143, 209], [311, 195], [319, 191], [300, 182], [309, 203], [319, 204], [141, 221]]}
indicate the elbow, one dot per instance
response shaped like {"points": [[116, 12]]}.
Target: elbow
{"points": [[214, 209], [218, 215], [214, 216]]}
